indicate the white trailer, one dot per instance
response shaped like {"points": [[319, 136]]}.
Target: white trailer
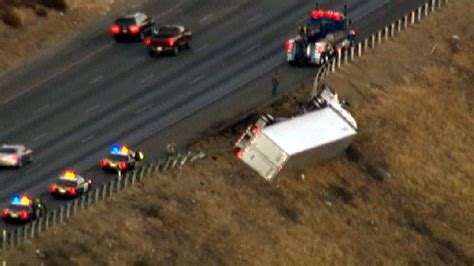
{"points": [[314, 136]]}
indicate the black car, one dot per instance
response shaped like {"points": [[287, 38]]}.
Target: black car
{"points": [[170, 38], [134, 27]]}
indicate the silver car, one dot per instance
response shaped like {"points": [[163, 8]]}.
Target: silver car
{"points": [[15, 155]]}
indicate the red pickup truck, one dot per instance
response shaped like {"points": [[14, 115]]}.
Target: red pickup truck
{"points": [[170, 38]]}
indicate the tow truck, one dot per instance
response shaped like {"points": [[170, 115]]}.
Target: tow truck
{"points": [[70, 184], [325, 34], [121, 158], [23, 209]]}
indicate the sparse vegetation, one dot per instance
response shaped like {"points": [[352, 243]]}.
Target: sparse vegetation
{"points": [[9, 9]]}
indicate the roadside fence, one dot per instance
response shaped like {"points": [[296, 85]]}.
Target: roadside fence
{"points": [[12, 238]]}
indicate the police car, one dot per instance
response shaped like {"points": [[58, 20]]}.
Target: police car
{"points": [[15, 155], [23, 209], [70, 184], [121, 158]]}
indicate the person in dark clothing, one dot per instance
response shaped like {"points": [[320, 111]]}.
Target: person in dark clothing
{"points": [[275, 83]]}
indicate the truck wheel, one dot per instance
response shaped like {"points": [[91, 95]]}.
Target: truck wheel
{"points": [[175, 50], [187, 45], [151, 53]]}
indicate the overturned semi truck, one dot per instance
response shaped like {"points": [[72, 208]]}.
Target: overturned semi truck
{"points": [[325, 131]]}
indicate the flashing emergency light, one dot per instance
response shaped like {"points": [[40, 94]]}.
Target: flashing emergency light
{"points": [[116, 149], [23, 200], [69, 174]]}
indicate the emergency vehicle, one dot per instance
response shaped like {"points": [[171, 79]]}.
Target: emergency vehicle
{"points": [[325, 34], [23, 208], [121, 158], [70, 184]]}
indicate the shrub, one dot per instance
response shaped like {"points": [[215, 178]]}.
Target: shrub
{"points": [[11, 18], [41, 12], [60, 5]]}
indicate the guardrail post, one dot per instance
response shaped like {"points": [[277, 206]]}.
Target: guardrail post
{"points": [[405, 22], [33, 225], [175, 161], [419, 13], [352, 52], [96, 196], [412, 17], [61, 214], [338, 59], [119, 180], [386, 33], [167, 164], [75, 202], [141, 174], [40, 224], [17, 236], [333, 65], [392, 29], [426, 8], [4, 239], [82, 202], [433, 4], [25, 232], [47, 217], [372, 41], [54, 217], [134, 177], [359, 48], [439, 3], [379, 36], [104, 191], [68, 210], [399, 25], [111, 188]]}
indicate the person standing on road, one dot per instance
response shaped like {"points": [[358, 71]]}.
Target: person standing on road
{"points": [[275, 83]]}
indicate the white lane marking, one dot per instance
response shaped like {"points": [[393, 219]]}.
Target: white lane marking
{"points": [[35, 139], [254, 18], [251, 49], [43, 108], [147, 78], [194, 81], [90, 109], [32, 168], [97, 79], [82, 59], [87, 139], [206, 19], [176, 7], [204, 46], [144, 108]]}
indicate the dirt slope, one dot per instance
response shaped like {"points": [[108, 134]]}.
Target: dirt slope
{"points": [[413, 99]]}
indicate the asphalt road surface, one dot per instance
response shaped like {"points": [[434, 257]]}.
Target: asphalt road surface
{"points": [[74, 101]]}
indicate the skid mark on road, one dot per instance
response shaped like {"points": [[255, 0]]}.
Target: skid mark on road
{"points": [[251, 49], [144, 108], [43, 108], [254, 18], [90, 109], [97, 79], [194, 81]]}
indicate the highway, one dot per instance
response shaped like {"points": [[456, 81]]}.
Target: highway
{"points": [[77, 99]]}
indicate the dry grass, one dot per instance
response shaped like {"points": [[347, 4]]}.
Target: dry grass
{"points": [[52, 20], [415, 113]]}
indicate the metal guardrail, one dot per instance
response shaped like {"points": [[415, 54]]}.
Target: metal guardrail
{"points": [[106, 191], [375, 40]]}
